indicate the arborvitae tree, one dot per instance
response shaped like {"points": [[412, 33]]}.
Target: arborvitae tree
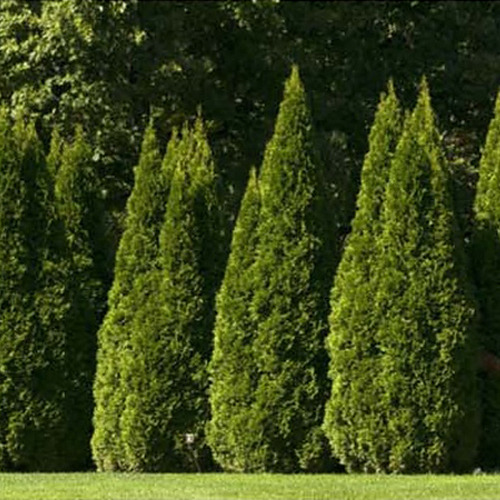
{"points": [[80, 207], [424, 330], [55, 152], [289, 307], [171, 342], [486, 253], [232, 387], [351, 413], [137, 254], [41, 425]]}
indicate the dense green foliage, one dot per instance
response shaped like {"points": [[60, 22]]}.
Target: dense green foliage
{"points": [[424, 328], [107, 64], [352, 422], [137, 254], [79, 207], [486, 258], [428, 331], [171, 335], [79, 204], [289, 302], [44, 382], [401, 287], [232, 388], [53, 159]]}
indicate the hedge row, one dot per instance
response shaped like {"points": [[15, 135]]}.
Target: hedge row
{"points": [[197, 363]]}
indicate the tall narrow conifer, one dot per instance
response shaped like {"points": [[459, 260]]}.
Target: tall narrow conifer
{"points": [[55, 152], [81, 209], [40, 365], [232, 388], [289, 307], [166, 408], [486, 253], [350, 412], [424, 330], [137, 254]]}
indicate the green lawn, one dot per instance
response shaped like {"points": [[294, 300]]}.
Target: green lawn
{"points": [[93, 486]]}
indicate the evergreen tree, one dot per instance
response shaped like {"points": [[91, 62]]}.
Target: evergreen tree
{"points": [[232, 388], [137, 254], [424, 332], [171, 340], [486, 251], [351, 413], [81, 209], [41, 425], [289, 306], [55, 152]]}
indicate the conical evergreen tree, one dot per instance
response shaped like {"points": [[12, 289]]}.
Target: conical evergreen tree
{"points": [[81, 209], [171, 341], [351, 411], [289, 308], [81, 212], [486, 252], [137, 254], [40, 369], [232, 388], [425, 335], [55, 152]]}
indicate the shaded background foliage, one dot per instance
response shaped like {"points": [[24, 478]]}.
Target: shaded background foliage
{"points": [[109, 64]]}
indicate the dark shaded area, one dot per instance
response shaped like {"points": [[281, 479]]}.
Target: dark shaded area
{"points": [[110, 64]]}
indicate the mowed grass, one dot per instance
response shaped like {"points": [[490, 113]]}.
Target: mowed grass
{"points": [[92, 486]]}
